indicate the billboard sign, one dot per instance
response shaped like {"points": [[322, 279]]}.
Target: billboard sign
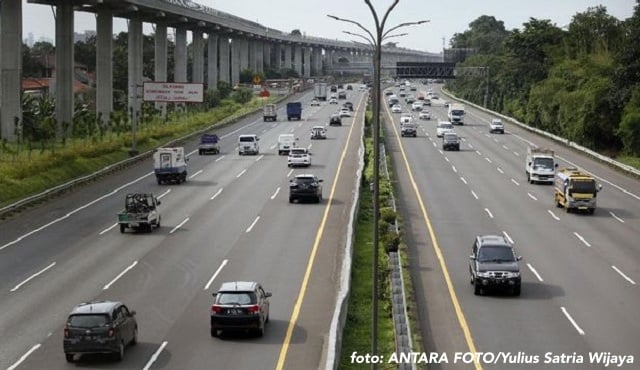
{"points": [[174, 92]]}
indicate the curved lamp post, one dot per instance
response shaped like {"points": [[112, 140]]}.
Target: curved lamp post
{"points": [[376, 42]]}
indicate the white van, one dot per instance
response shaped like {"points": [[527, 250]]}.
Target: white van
{"points": [[285, 143], [248, 144]]}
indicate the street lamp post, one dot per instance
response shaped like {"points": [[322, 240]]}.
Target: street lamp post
{"points": [[376, 41]]}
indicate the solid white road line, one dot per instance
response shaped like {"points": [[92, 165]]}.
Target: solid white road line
{"points": [[213, 277], [564, 310], [165, 193], [120, 275], [474, 194], [220, 158], [32, 277], [108, 229], [241, 173], [290, 172], [535, 272], [515, 182], [216, 194], [253, 224], [259, 157], [196, 174], [154, 357], [507, 236], [582, 239], [488, 212], [179, 225], [24, 357], [532, 196], [616, 217], [500, 170], [276, 193], [553, 215], [623, 275]]}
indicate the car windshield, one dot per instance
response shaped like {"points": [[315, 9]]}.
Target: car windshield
{"points": [[495, 253], [247, 139], [304, 180], [543, 163], [457, 112], [237, 298], [89, 321], [450, 138], [446, 125], [583, 186]]}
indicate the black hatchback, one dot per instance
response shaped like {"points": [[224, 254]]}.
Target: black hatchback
{"points": [[99, 327], [335, 120], [305, 186]]}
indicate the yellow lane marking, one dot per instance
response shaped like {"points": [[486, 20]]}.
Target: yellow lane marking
{"points": [[312, 257], [436, 247]]}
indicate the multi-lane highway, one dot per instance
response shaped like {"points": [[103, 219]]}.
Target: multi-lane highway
{"points": [[230, 221], [580, 273]]}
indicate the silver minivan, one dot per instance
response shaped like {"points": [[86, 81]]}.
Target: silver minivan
{"points": [[248, 144]]}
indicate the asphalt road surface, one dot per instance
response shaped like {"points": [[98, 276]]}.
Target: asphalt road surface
{"points": [[580, 272], [230, 221]]}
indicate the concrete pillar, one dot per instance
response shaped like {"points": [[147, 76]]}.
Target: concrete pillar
{"points": [[316, 61], [266, 55], [236, 45], [277, 56], [243, 44], [297, 59], [287, 64], [212, 61], [307, 61], [328, 56], [198, 57], [180, 73], [253, 57], [224, 46], [64, 64], [258, 47], [10, 67], [104, 63], [135, 65], [160, 62]]}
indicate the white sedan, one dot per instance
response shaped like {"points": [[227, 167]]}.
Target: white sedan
{"points": [[416, 106], [315, 102], [443, 126], [396, 108], [344, 112], [425, 115]]}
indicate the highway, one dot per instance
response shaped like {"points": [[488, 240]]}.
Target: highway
{"points": [[580, 273], [230, 221]]}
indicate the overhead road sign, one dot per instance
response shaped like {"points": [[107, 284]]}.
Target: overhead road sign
{"points": [[174, 92], [425, 70]]}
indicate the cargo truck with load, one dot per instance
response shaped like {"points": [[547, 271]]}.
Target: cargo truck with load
{"points": [[170, 165], [540, 165], [140, 212], [320, 91], [456, 114], [270, 113], [209, 144], [294, 111], [575, 190]]}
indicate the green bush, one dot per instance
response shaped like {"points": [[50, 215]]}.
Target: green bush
{"points": [[242, 95], [387, 214]]}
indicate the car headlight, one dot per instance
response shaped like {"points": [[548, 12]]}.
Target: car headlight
{"points": [[514, 274], [484, 274]]}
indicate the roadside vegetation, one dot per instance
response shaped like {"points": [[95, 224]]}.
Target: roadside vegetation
{"points": [[580, 81], [357, 330]]}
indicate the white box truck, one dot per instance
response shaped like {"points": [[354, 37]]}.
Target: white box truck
{"points": [[170, 165], [456, 114], [540, 165], [320, 90]]}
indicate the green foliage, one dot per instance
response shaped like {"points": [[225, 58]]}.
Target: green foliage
{"points": [[387, 214], [224, 89], [629, 130], [246, 76], [242, 95]]}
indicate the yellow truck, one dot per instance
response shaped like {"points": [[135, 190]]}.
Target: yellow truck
{"points": [[575, 190]]}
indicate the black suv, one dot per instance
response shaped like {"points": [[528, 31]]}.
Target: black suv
{"points": [[335, 120], [240, 305], [99, 327], [348, 105], [342, 95], [305, 187], [493, 264]]}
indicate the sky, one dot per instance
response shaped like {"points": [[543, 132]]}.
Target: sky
{"points": [[310, 16]]}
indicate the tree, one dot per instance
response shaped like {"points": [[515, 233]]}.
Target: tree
{"points": [[242, 95], [85, 53], [246, 76], [594, 31], [296, 32], [224, 88], [629, 131], [627, 57], [486, 34]]}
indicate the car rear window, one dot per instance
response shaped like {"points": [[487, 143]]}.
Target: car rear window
{"points": [[89, 321], [249, 139], [233, 298]]}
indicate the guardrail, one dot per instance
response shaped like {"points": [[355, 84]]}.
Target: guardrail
{"points": [[30, 200], [567, 142]]}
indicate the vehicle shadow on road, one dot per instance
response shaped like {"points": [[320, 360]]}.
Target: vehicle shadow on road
{"points": [[109, 361], [536, 290], [274, 333]]}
